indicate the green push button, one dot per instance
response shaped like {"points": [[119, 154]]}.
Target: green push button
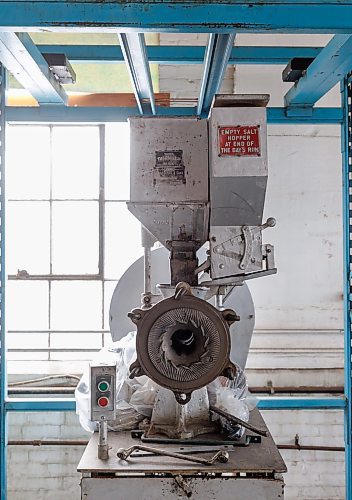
{"points": [[103, 386]]}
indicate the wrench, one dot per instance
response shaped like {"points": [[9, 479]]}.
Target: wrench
{"points": [[221, 456]]}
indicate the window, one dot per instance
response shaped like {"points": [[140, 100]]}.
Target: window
{"points": [[69, 238]]}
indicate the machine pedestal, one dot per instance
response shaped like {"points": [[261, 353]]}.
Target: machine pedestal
{"points": [[252, 472]]}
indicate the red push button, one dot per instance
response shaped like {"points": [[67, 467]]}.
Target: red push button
{"points": [[103, 401]]}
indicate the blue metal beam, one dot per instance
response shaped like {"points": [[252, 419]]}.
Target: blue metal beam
{"points": [[216, 58], [323, 116], [3, 372], [24, 60], [48, 114], [329, 68], [291, 403], [346, 149], [267, 403], [177, 54], [40, 404], [135, 54], [190, 16]]}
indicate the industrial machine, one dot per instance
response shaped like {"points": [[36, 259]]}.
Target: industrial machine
{"points": [[198, 188]]}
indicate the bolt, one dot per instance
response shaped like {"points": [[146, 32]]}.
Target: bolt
{"points": [[224, 457], [271, 222], [134, 316]]}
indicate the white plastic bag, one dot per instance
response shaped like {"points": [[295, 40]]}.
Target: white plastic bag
{"points": [[233, 397]]}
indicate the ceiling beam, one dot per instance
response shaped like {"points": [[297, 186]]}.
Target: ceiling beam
{"points": [[24, 60], [57, 114], [178, 54], [328, 68], [135, 55], [216, 58], [188, 16]]}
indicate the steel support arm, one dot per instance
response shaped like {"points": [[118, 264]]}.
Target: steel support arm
{"points": [[24, 60], [216, 58], [328, 68], [135, 54]]}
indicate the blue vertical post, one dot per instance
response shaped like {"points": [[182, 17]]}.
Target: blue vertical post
{"points": [[3, 371], [346, 136]]}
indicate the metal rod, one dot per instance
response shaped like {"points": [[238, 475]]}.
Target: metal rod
{"points": [[55, 277], [103, 447], [309, 447], [41, 390], [147, 270], [73, 442], [47, 442], [308, 389], [238, 421]]}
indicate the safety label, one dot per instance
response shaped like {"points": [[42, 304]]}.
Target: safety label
{"points": [[169, 166], [239, 140]]}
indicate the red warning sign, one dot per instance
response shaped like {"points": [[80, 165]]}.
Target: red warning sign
{"points": [[239, 140]]}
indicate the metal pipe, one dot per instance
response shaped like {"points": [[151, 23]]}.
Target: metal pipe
{"points": [[47, 442], [254, 390], [72, 442], [308, 389], [309, 447], [41, 390], [43, 379]]}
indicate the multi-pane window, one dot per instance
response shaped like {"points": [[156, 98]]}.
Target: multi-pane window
{"points": [[69, 238]]}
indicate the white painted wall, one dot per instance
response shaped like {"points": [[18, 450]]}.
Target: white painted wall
{"points": [[298, 339]]}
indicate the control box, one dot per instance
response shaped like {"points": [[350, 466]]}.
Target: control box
{"points": [[103, 392]]}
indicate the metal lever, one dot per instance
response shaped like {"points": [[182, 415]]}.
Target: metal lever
{"points": [[221, 456], [236, 420], [247, 234], [270, 222]]}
